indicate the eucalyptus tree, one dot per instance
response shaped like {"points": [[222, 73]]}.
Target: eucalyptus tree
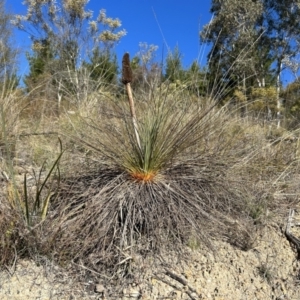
{"points": [[234, 36], [256, 39], [281, 19], [73, 34]]}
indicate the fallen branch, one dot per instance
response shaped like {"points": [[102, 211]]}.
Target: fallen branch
{"points": [[38, 133], [179, 279], [190, 291]]}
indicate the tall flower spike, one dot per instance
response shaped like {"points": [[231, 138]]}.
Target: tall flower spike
{"points": [[126, 69], [126, 79]]}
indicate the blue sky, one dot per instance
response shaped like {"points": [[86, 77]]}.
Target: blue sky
{"points": [[165, 23]]}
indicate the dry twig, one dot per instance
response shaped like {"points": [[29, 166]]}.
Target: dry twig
{"points": [[190, 291]]}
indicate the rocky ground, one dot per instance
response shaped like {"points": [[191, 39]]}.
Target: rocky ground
{"points": [[269, 270]]}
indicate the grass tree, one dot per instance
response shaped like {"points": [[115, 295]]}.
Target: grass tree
{"points": [[162, 179]]}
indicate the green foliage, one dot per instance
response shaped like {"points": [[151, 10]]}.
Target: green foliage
{"points": [[239, 96], [192, 80], [292, 97], [264, 100], [39, 62], [233, 35], [251, 41], [102, 66], [195, 80], [265, 272], [65, 35], [156, 151], [174, 70], [35, 208], [282, 22]]}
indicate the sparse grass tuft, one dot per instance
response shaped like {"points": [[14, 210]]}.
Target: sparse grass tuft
{"points": [[265, 272]]}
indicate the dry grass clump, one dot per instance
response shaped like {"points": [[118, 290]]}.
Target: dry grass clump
{"points": [[7, 247], [271, 166], [175, 186], [25, 203], [10, 107]]}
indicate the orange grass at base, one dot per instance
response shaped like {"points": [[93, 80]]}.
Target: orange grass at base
{"points": [[144, 176]]}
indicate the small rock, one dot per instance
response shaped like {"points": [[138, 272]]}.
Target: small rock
{"points": [[99, 288], [134, 293]]}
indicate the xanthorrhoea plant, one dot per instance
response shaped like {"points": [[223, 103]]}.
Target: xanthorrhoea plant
{"points": [[170, 184]]}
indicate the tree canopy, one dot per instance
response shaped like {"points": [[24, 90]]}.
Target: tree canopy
{"points": [[252, 39]]}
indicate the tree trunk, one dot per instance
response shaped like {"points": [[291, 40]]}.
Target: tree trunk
{"points": [[278, 94]]}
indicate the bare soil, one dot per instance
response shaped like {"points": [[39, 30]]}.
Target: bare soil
{"points": [[270, 270]]}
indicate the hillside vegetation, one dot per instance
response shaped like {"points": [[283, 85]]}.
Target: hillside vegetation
{"points": [[99, 167]]}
